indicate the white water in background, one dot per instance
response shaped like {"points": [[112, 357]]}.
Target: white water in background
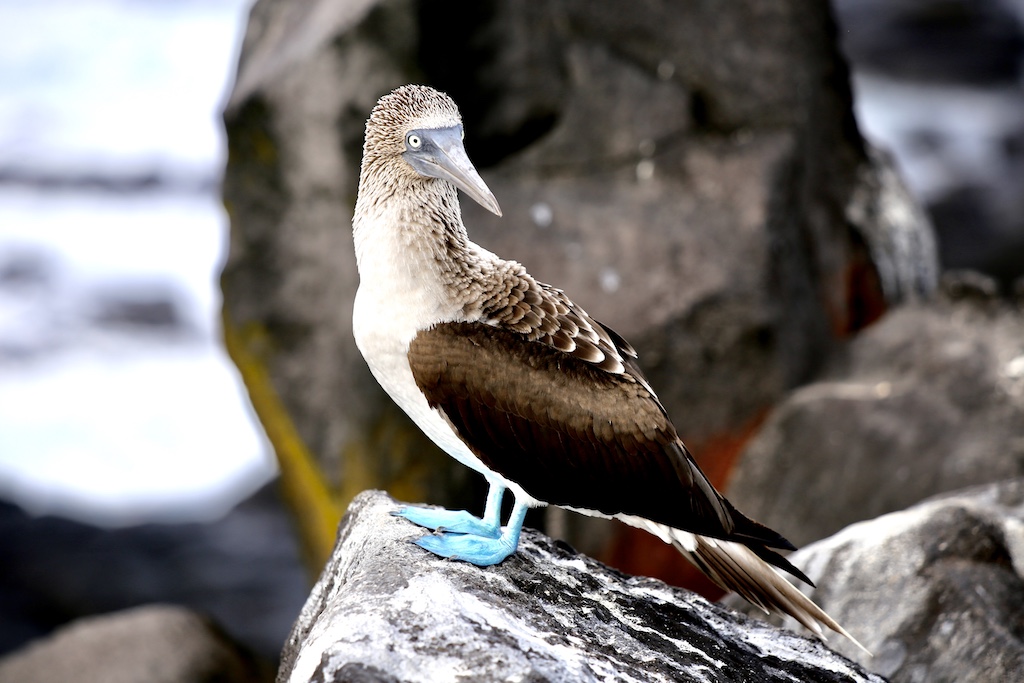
{"points": [[104, 424]]}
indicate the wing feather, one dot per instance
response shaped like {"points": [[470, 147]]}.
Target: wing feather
{"points": [[567, 431]]}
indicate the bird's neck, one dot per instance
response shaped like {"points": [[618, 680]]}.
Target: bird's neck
{"points": [[409, 237]]}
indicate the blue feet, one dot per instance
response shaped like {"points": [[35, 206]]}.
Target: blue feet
{"points": [[483, 552], [460, 521], [449, 521], [461, 536]]}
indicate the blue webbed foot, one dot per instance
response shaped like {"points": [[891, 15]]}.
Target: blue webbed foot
{"points": [[482, 551], [449, 521], [477, 550]]}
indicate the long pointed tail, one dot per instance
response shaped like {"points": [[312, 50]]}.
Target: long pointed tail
{"points": [[735, 567]]}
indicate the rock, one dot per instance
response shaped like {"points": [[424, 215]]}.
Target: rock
{"points": [[152, 644], [694, 178], [975, 42], [243, 570], [937, 590], [938, 85], [385, 610], [928, 400]]}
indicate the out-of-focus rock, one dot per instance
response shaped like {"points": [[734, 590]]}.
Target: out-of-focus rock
{"points": [[966, 41], [938, 84], [153, 644], [928, 400], [386, 610], [692, 176], [243, 570], [937, 589]]}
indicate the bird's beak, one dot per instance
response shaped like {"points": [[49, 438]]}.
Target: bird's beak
{"points": [[442, 155]]}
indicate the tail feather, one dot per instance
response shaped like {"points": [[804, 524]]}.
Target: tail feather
{"points": [[746, 567], [736, 567], [752, 532], [773, 558]]}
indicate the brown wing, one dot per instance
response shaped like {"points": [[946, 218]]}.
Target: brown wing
{"points": [[567, 431]]}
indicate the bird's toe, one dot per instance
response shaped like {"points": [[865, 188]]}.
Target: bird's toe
{"points": [[448, 521], [478, 550]]}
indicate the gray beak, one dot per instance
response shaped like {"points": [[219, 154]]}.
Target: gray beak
{"points": [[441, 154]]}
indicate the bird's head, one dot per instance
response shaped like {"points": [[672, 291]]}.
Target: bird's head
{"points": [[417, 131]]}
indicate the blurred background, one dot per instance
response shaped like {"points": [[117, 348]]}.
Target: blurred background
{"points": [[125, 434], [127, 445]]}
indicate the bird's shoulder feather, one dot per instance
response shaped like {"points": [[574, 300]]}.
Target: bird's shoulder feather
{"points": [[541, 313]]}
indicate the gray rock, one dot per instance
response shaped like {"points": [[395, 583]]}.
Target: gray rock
{"points": [[936, 590], [385, 610], [153, 644], [928, 400]]}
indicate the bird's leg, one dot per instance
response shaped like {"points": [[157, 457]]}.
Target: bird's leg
{"points": [[479, 550], [460, 521]]}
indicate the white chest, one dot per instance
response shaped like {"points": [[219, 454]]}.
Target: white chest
{"points": [[400, 293]]}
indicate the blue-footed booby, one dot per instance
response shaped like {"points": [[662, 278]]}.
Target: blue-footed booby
{"points": [[514, 380]]}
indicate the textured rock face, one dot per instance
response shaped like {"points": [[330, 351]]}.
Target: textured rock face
{"points": [[159, 644], [385, 610], [691, 175], [928, 400], [937, 590]]}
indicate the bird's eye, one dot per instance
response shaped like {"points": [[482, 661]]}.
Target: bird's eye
{"points": [[414, 141]]}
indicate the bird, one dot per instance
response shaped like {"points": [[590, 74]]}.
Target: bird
{"points": [[514, 380]]}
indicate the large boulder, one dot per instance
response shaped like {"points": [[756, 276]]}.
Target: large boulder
{"points": [[691, 174], [930, 399], [936, 590], [151, 644], [386, 610]]}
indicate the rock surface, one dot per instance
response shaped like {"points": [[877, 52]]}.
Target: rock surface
{"points": [[928, 400], [153, 644], [692, 176], [385, 610], [936, 590]]}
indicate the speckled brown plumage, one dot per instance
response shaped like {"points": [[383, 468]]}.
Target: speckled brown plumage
{"points": [[541, 313]]}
